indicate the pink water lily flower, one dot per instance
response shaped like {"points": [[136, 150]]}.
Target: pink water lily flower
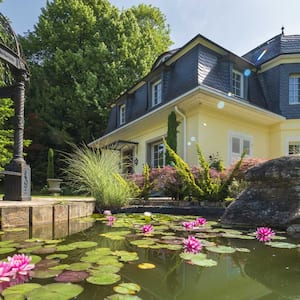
{"points": [[5, 271], [107, 212], [188, 225], [147, 228], [192, 245], [110, 218], [20, 264], [264, 234], [200, 221]]}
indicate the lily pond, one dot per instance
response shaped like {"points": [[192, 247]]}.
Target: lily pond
{"points": [[151, 256]]}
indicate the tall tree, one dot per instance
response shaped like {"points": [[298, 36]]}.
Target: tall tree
{"points": [[171, 135], [83, 54]]}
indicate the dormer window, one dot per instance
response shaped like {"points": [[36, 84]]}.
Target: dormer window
{"points": [[122, 114], [294, 89], [156, 93], [237, 83]]}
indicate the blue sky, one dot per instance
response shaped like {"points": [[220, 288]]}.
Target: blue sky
{"points": [[237, 25]]}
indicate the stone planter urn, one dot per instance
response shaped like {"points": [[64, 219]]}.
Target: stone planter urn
{"points": [[54, 185]]}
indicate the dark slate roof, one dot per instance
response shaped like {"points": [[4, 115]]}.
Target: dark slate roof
{"points": [[279, 44]]}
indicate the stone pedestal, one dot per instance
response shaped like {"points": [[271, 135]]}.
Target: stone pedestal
{"points": [[17, 182]]}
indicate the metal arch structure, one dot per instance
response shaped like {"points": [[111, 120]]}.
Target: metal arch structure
{"points": [[17, 173]]}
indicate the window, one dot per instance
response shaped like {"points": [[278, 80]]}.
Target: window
{"points": [[156, 93], [294, 89], [239, 144], [294, 148], [157, 154], [122, 114], [237, 83]]}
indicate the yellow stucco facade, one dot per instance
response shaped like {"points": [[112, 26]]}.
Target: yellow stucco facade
{"points": [[214, 121]]}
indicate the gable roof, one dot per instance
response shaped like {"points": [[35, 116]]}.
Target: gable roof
{"points": [[278, 45]]}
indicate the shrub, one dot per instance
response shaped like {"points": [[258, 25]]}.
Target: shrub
{"points": [[50, 166], [95, 172]]}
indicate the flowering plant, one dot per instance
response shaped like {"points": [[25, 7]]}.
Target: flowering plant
{"points": [[147, 228], [264, 234], [192, 245]]}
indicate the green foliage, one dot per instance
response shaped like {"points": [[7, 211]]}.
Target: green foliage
{"points": [[95, 172], [171, 135], [184, 171], [50, 166], [211, 187], [6, 135], [83, 54], [216, 162], [147, 184]]}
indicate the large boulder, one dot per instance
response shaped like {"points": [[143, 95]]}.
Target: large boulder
{"points": [[272, 197]]}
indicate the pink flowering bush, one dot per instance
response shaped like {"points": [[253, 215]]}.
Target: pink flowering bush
{"points": [[147, 228], [192, 245], [264, 234]]}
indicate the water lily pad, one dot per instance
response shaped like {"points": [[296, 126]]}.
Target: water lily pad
{"points": [[116, 235], [47, 263], [203, 262], [123, 297], [57, 291], [143, 242], [53, 241], [62, 248], [84, 244], [72, 276], [245, 250], [23, 289], [7, 250], [282, 245], [107, 260], [189, 256], [99, 251], [80, 266], [127, 288], [237, 236], [60, 267], [104, 278], [221, 249], [45, 273], [57, 255], [8, 244], [35, 259], [126, 256], [105, 269], [146, 266]]}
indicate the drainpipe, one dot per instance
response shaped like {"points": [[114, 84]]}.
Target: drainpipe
{"points": [[184, 131]]}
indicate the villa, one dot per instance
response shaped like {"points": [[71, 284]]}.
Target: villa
{"points": [[229, 104]]}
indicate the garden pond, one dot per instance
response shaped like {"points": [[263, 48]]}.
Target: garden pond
{"points": [[119, 258]]}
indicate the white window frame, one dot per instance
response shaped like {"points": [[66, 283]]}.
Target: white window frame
{"points": [[241, 138], [158, 160], [290, 141], [237, 83], [294, 89], [122, 114], [156, 92]]}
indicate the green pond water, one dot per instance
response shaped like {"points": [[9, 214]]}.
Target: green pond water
{"points": [[232, 263]]}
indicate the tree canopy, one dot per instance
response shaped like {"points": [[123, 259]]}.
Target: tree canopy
{"points": [[83, 54]]}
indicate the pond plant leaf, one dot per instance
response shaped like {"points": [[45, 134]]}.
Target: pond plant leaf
{"points": [[72, 276], [57, 291], [127, 288], [104, 278], [23, 289], [57, 255], [60, 267], [283, 245], [203, 262], [189, 256], [44, 273], [146, 266], [7, 250], [79, 266], [44, 250], [83, 244], [105, 269], [245, 250], [67, 247], [35, 259], [220, 249], [122, 297]]}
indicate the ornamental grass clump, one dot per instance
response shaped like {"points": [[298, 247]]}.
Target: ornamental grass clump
{"points": [[95, 173]]}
